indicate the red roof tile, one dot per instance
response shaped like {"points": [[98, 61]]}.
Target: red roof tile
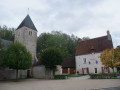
{"points": [[69, 62], [99, 44]]}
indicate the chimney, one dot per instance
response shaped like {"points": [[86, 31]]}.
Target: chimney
{"points": [[79, 39], [108, 35]]}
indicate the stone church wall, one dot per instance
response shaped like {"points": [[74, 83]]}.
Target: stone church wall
{"points": [[27, 37]]}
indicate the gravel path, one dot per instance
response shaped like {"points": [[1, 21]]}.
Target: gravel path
{"points": [[79, 83]]}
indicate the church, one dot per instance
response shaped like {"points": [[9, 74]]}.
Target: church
{"points": [[26, 33]]}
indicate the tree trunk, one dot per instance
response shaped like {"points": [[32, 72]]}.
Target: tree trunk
{"points": [[16, 74]]}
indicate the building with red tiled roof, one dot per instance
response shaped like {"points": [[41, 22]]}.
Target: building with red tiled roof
{"points": [[88, 52], [68, 66]]}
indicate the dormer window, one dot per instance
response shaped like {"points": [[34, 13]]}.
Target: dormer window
{"points": [[30, 33], [92, 50]]}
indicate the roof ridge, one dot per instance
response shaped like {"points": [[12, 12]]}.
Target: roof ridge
{"points": [[93, 38]]}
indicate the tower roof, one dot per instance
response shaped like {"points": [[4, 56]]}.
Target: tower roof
{"points": [[28, 23]]}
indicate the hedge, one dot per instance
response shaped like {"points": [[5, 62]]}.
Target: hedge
{"points": [[103, 76], [61, 77]]}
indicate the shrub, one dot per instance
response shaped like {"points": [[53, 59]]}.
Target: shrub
{"points": [[103, 76], [61, 77]]}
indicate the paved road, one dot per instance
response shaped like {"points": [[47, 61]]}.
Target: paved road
{"points": [[80, 83], [113, 88]]}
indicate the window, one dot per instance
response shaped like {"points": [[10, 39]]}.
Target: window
{"points": [[89, 62], [105, 70], [96, 62], [30, 33], [95, 70], [84, 60]]}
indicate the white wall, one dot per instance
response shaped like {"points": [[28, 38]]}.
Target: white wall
{"points": [[92, 58], [89, 57]]}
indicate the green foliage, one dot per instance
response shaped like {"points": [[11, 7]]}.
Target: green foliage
{"points": [[42, 42], [103, 76], [7, 33], [2, 57], [1, 44], [17, 57], [66, 43], [76, 75], [61, 77], [85, 38], [118, 47], [51, 57], [1, 53]]}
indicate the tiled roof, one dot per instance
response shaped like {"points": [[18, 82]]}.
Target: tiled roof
{"points": [[28, 23], [99, 44], [69, 62]]}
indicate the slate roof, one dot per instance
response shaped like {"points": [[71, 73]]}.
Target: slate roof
{"points": [[6, 43], [28, 23], [99, 44], [69, 62]]}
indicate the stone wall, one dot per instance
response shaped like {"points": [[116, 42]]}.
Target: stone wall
{"points": [[39, 71], [11, 74], [27, 37]]}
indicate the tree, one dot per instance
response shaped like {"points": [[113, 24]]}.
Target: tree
{"points": [[110, 58], [85, 38], [118, 64], [18, 57], [51, 57], [1, 44], [7, 33], [1, 53], [66, 43], [42, 42], [118, 47]]}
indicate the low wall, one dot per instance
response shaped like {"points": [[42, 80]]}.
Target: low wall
{"points": [[39, 71], [11, 74]]}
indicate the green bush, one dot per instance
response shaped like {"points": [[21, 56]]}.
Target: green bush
{"points": [[61, 77], [103, 76]]}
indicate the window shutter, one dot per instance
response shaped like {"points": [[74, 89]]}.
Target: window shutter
{"points": [[108, 70], [82, 70], [88, 70], [102, 69]]}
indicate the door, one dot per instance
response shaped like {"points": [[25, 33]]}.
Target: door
{"points": [[95, 70], [85, 71], [28, 73]]}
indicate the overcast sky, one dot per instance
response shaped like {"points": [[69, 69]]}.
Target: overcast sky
{"points": [[79, 17]]}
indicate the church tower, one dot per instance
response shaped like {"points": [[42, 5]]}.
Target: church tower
{"points": [[26, 34]]}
